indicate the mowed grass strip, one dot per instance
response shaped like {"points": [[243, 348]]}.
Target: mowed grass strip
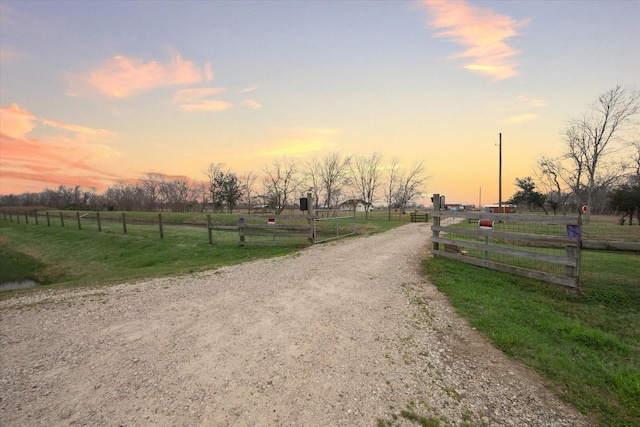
{"points": [[586, 346], [68, 256]]}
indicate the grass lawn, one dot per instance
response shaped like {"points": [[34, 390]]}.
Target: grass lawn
{"points": [[68, 256], [587, 347]]}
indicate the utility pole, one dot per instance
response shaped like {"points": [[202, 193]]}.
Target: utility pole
{"points": [[500, 175]]}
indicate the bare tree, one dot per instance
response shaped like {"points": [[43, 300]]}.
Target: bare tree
{"points": [[313, 172], [248, 187], [551, 175], [280, 182], [152, 184], [365, 178], [410, 186], [635, 165], [179, 194], [394, 176], [333, 175], [591, 139], [124, 197]]}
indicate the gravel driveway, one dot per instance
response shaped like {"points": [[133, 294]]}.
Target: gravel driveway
{"points": [[341, 334]]}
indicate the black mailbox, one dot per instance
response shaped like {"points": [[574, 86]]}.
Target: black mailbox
{"points": [[303, 204]]}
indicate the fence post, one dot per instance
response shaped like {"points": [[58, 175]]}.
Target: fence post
{"points": [[124, 224], [99, 223], [4, 215], [160, 226], [10, 217], [573, 252], [209, 229], [311, 217], [35, 216], [26, 217], [78, 217], [436, 219], [61, 220], [48, 220]]}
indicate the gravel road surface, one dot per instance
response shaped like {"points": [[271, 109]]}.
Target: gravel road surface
{"points": [[341, 334]]}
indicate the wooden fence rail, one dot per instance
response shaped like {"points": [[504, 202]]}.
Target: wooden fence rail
{"points": [[275, 230], [511, 237]]}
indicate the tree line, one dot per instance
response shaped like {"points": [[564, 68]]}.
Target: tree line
{"points": [[599, 166], [332, 180]]}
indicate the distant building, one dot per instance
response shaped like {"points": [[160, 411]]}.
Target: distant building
{"points": [[357, 205], [456, 207], [495, 208]]}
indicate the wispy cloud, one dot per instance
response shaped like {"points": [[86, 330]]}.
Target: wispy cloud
{"points": [[532, 102], [121, 76], [481, 31], [299, 142], [195, 95], [203, 99], [17, 122], [8, 15], [249, 89], [252, 103], [207, 105], [51, 160], [200, 99], [8, 54]]}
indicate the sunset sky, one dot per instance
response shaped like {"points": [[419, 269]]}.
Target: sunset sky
{"points": [[97, 92]]}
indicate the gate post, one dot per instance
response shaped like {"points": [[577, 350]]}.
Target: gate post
{"points": [[436, 219]]}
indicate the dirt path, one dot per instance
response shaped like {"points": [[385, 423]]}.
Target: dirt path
{"points": [[347, 333]]}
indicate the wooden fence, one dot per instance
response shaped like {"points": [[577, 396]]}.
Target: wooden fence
{"points": [[540, 247], [275, 230]]}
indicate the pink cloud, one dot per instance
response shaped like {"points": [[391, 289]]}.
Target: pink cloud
{"points": [[16, 122], [121, 77], [207, 105], [26, 162], [251, 103], [194, 95], [199, 99], [481, 31]]}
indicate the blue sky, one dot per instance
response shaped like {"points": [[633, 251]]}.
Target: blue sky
{"points": [[95, 92]]}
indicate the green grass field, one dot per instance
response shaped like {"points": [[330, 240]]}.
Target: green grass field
{"points": [[67, 256], [587, 346]]}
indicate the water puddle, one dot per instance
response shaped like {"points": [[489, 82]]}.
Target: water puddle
{"points": [[23, 284]]}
